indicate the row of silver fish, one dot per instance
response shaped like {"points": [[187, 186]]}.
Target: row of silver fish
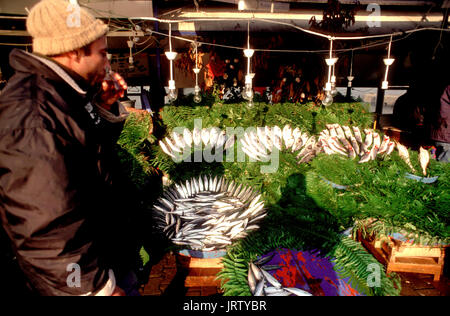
{"points": [[208, 213], [258, 144], [352, 142], [180, 143], [262, 283]]}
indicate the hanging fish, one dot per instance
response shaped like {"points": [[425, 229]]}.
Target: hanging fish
{"points": [[424, 159]]}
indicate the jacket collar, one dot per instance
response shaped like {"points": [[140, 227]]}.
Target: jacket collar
{"points": [[22, 61]]}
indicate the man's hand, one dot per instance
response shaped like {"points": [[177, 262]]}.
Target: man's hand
{"points": [[113, 88]]}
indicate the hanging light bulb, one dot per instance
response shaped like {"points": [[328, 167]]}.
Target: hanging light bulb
{"points": [[328, 99], [333, 84], [330, 86], [197, 95], [173, 94], [350, 76], [247, 94], [130, 58], [197, 90], [248, 89], [388, 62], [241, 5]]}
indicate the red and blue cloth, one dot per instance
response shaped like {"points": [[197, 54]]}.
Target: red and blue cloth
{"points": [[309, 271]]}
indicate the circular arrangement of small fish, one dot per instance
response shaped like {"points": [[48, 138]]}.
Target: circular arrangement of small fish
{"points": [[208, 213], [179, 143], [262, 283]]}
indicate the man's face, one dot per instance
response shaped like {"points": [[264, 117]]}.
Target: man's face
{"points": [[93, 66]]}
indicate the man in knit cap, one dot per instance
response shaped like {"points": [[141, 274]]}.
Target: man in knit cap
{"points": [[59, 122]]}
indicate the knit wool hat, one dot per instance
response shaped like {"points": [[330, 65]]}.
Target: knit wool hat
{"points": [[57, 27]]}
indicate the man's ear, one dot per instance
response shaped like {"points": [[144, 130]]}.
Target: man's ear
{"points": [[75, 55]]}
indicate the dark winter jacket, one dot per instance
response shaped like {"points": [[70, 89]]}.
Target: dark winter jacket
{"points": [[54, 177], [441, 128]]}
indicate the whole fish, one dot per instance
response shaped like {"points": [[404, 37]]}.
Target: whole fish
{"points": [[287, 136], [172, 146], [187, 136], [213, 135], [368, 139], [259, 288], [297, 291], [339, 131], [366, 157], [205, 136], [355, 144], [165, 149], [390, 149], [256, 271], [404, 154], [230, 142], [332, 130], [271, 279], [358, 136], [221, 140], [424, 159], [384, 145], [347, 132], [196, 136], [179, 141]]}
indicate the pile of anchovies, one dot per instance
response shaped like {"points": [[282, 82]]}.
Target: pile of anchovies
{"points": [[262, 283], [208, 213]]}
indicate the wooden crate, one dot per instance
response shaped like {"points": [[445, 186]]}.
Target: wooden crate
{"points": [[400, 256], [201, 272]]}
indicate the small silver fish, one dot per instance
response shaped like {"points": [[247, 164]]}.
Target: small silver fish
{"points": [[187, 136], [196, 136], [165, 149], [205, 136]]}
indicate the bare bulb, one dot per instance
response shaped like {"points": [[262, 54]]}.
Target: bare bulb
{"points": [[247, 94], [328, 99], [197, 98], [172, 95]]}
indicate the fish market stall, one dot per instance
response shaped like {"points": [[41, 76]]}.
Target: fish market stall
{"points": [[243, 182]]}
